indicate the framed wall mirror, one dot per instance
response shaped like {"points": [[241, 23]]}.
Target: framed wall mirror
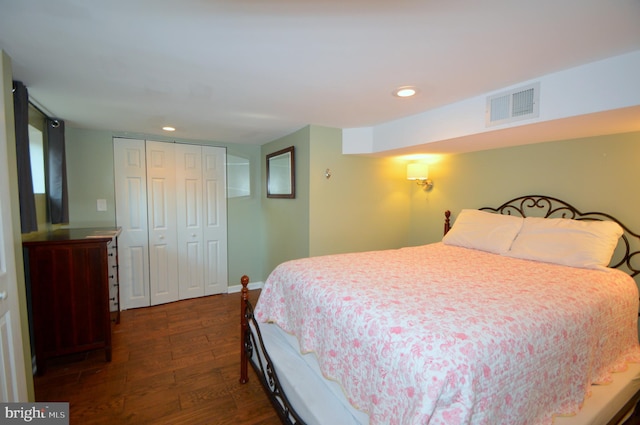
{"points": [[281, 182]]}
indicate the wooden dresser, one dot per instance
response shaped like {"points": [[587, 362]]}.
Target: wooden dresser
{"points": [[72, 286]]}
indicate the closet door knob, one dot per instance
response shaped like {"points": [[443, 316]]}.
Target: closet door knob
{"points": [[193, 235], [3, 295]]}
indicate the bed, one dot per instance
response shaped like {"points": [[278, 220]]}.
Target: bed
{"points": [[526, 313]]}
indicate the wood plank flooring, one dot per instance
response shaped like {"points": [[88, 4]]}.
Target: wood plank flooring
{"points": [[176, 363]]}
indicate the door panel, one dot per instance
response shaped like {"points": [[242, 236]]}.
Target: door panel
{"points": [[131, 215], [161, 201], [190, 229], [215, 227]]}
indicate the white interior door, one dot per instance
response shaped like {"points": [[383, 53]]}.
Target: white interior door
{"points": [[215, 219], [161, 204], [13, 383], [130, 171], [190, 229]]}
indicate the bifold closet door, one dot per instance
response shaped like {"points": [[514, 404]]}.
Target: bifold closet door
{"points": [[130, 170], [163, 236], [202, 220], [214, 178], [190, 220], [171, 203]]}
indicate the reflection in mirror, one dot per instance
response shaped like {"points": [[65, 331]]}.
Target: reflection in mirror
{"points": [[280, 174], [36, 152], [238, 176]]}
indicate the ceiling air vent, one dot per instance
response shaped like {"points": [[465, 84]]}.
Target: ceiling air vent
{"points": [[513, 105]]}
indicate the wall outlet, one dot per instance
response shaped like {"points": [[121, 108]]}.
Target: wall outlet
{"points": [[102, 204]]}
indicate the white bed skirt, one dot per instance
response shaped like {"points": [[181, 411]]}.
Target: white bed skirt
{"points": [[319, 401], [607, 400]]}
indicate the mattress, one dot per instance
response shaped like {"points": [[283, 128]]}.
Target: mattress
{"points": [[444, 334], [320, 401]]}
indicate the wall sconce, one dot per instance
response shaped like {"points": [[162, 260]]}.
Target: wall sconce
{"points": [[420, 173]]}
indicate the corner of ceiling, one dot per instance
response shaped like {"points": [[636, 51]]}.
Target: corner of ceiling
{"points": [[592, 99]]}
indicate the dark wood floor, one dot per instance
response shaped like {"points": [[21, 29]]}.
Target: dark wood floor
{"points": [[176, 363]]}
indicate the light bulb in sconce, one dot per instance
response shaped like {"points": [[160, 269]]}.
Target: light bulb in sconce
{"points": [[420, 174]]}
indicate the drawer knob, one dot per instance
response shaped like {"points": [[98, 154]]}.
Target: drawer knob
{"points": [[3, 295]]}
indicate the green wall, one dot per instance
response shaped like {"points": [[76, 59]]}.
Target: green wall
{"points": [[244, 221], [363, 206], [89, 156], [90, 177], [285, 222], [593, 174]]}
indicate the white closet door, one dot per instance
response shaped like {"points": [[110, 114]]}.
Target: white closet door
{"points": [[131, 215], [161, 204], [215, 219], [189, 226]]}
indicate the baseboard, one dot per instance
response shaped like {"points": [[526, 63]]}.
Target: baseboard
{"points": [[251, 286]]}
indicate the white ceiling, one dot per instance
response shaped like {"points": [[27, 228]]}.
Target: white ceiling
{"points": [[250, 71]]}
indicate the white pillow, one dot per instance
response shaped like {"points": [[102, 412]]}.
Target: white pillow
{"points": [[484, 231], [576, 243]]}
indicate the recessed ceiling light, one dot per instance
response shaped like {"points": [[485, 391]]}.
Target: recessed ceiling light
{"points": [[405, 91], [167, 128]]}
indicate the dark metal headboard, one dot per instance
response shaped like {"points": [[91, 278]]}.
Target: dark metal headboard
{"points": [[628, 250]]}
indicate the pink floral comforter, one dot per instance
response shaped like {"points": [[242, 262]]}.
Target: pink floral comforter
{"points": [[439, 334]]}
